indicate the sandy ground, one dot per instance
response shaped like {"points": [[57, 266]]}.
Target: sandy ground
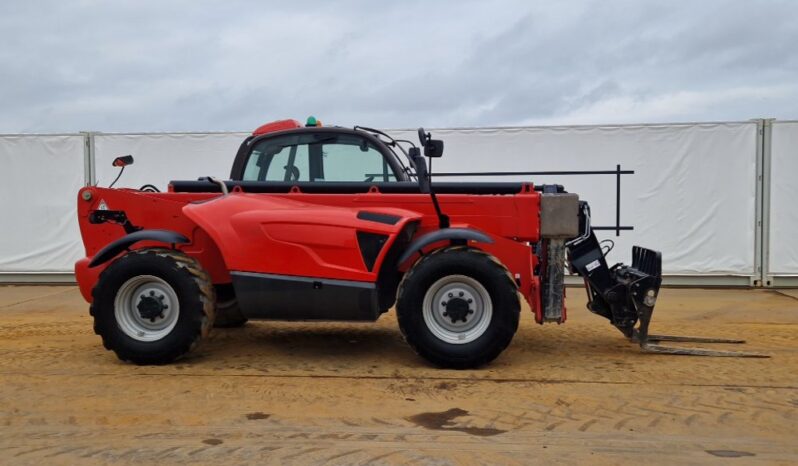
{"points": [[286, 393]]}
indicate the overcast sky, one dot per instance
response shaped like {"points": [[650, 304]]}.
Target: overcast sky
{"points": [[229, 65]]}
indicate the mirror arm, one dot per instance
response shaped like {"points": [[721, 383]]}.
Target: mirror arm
{"points": [[117, 177], [443, 219], [424, 175]]}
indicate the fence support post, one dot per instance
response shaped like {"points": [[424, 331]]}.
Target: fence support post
{"points": [[618, 200], [756, 279], [767, 138], [764, 127], [88, 158]]}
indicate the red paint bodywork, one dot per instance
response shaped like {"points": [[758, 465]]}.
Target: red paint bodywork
{"points": [[310, 235]]}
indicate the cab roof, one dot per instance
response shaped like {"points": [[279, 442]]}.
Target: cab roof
{"points": [[274, 126]]}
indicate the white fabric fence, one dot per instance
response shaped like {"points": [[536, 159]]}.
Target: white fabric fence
{"points": [[41, 176], [161, 158], [692, 196], [783, 254]]}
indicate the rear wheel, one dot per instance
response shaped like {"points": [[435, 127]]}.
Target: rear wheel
{"points": [[458, 308], [152, 306]]}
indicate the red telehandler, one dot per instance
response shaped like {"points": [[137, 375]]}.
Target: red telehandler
{"points": [[331, 224]]}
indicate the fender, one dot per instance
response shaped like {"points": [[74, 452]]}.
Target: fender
{"points": [[456, 234], [115, 247]]}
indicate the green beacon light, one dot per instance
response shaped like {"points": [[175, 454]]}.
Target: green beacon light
{"points": [[312, 121]]}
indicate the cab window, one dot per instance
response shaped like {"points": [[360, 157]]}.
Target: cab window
{"points": [[317, 157]]}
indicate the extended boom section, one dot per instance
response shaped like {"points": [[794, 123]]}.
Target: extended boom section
{"points": [[626, 295]]}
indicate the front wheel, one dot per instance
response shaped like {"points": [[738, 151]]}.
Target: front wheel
{"points": [[458, 308], [152, 306]]}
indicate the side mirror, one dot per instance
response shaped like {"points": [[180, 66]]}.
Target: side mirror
{"points": [[433, 148], [123, 161], [421, 169]]}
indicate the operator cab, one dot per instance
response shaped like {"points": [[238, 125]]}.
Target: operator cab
{"points": [[284, 151], [313, 156]]}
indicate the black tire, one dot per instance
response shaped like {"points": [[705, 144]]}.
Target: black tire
{"points": [[478, 266], [228, 314], [188, 283]]}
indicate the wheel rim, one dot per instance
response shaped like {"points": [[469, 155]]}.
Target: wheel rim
{"points": [[146, 308], [457, 309]]}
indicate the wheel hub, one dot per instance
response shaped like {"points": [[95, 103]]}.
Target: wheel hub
{"points": [[152, 306], [146, 308], [457, 309]]}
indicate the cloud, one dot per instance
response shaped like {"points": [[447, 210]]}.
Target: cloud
{"points": [[201, 65], [712, 105]]}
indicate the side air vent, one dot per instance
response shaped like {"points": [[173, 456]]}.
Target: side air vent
{"points": [[378, 217], [370, 246]]}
